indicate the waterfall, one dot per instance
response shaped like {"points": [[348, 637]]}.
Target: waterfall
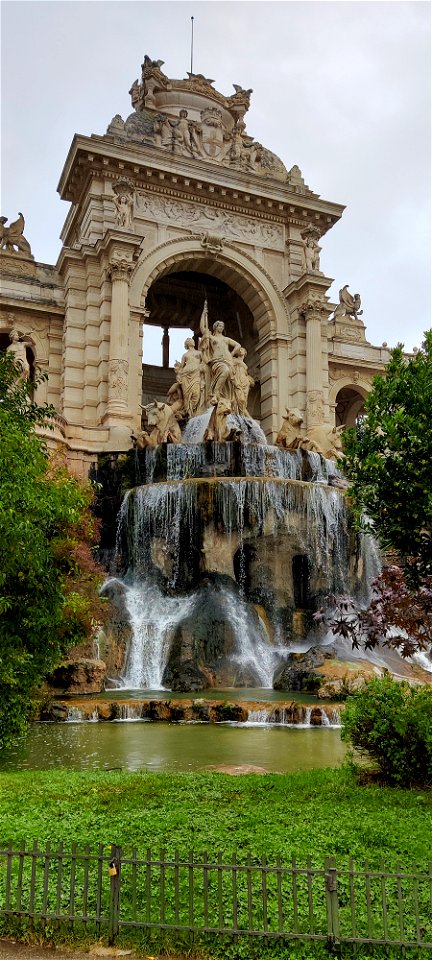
{"points": [[253, 655], [152, 616], [218, 550], [74, 715], [128, 714]]}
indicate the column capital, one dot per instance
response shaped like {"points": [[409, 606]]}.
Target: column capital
{"points": [[314, 308], [120, 266]]}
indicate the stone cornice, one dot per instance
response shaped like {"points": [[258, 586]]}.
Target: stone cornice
{"points": [[95, 156], [113, 242]]}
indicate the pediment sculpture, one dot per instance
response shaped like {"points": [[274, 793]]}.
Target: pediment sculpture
{"points": [[12, 237], [349, 305], [167, 118]]}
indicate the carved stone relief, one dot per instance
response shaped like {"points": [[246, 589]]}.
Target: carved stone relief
{"points": [[118, 377], [212, 243], [315, 406], [347, 373], [123, 202], [234, 226]]}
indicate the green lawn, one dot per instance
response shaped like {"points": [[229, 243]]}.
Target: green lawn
{"points": [[323, 813], [318, 814]]}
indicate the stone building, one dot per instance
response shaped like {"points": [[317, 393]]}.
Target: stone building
{"points": [[175, 205]]}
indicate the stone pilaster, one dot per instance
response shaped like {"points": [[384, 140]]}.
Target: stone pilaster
{"points": [[120, 269], [314, 312]]}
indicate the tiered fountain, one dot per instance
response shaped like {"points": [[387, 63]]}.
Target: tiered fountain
{"points": [[229, 544]]}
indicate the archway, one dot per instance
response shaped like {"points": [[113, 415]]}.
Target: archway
{"points": [[349, 406], [186, 270], [347, 396], [174, 304]]}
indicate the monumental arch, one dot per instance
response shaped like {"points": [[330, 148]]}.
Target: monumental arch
{"points": [[173, 206]]}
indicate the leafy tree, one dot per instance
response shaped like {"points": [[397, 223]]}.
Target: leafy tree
{"points": [[387, 460], [47, 573], [391, 722]]}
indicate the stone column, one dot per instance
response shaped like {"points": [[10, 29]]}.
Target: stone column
{"points": [[314, 312], [165, 348], [120, 269]]}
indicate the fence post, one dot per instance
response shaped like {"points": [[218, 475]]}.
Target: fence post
{"points": [[114, 871], [332, 902]]}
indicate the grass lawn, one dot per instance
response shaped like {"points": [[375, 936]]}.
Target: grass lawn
{"points": [[317, 814], [320, 813]]}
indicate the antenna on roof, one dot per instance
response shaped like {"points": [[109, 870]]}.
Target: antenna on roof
{"points": [[192, 39]]}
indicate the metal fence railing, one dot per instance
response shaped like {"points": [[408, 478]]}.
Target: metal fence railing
{"points": [[106, 890]]}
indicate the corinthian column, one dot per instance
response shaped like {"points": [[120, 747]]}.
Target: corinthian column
{"points": [[120, 269], [314, 313]]}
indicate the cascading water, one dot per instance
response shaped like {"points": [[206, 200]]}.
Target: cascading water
{"points": [[210, 545]]}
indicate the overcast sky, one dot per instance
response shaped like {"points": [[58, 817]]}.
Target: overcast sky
{"points": [[340, 88]]}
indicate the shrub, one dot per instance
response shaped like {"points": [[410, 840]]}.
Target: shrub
{"points": [[391, 722]]}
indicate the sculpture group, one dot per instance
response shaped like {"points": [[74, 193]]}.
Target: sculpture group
{"points": [[214, 374]]}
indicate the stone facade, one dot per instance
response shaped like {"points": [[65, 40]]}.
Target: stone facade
{"points": [[172, 205]]}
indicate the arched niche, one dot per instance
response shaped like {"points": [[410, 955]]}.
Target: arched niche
{"points": [[260, 306], [347, 398]]}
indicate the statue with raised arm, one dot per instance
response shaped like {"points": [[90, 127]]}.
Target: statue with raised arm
{"points": [[218, 352]]}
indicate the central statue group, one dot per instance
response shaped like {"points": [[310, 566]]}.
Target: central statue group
{"points": [[213, 375]]}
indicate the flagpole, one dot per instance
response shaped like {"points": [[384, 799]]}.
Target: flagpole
{"points": [[192, 40]]}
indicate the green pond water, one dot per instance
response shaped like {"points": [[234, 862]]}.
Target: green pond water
{"points": [[233, 694], [169, 747]]}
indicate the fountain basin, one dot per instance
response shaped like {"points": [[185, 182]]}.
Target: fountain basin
{"points": [[259, 712]]}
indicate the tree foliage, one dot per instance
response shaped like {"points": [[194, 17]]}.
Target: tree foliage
{"points": [[48, 577], [391, 722], [387, 460]]}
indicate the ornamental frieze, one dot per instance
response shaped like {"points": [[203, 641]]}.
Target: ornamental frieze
{"points": [[211, 219]]}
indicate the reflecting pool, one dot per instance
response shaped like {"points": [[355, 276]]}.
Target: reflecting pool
{"points": [[169, 747]]}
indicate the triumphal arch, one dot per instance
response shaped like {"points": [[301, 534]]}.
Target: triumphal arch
{"points": [[176, 207]]}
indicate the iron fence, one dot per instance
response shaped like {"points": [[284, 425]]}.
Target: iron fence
{"points": [[108, 890]]}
